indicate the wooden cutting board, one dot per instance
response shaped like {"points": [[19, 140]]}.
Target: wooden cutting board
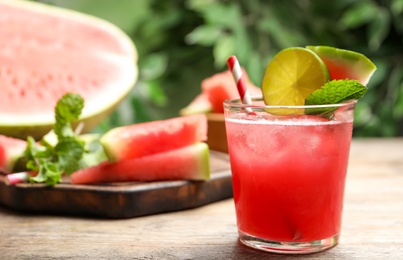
{"points": [[121, 200]]}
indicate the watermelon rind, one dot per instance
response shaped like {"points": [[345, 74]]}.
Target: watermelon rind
{"points": [[97, 107], [358, 65], [191, 162], [199, 105], [203, 153]]}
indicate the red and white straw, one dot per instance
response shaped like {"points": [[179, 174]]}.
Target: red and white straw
{"points": [[18, 177], [236, 71]]}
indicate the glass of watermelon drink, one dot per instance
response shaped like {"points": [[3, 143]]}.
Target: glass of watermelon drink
{"points": [[288, 173]]}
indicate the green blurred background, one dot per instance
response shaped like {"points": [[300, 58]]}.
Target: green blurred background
{"points": [[182, 42]]}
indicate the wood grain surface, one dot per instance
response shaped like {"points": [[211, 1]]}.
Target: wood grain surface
{"points": [[121, 200], [372, 223]]}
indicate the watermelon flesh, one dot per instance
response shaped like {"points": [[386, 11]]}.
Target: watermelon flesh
{"points": [[345, 64], [46, 52], [221, 86], [186, 163], [216, 89], [11, 149], [153, 137]]}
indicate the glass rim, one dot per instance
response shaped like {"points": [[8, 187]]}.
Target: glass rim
{"points": [[236, 103]]}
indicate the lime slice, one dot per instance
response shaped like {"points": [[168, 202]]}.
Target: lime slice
{"points": [[291, 76], [345, 64]]}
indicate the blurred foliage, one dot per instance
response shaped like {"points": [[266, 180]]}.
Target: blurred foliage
{"points": [[182, 42]]}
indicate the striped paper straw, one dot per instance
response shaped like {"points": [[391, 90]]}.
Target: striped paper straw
{"points": [[236, 70], [18, 177]]}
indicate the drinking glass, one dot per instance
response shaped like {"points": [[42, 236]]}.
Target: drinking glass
{"points": [[289, 167]]}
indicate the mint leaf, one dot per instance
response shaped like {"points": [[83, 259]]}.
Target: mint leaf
{"points": [[69, 151], [40, 159], [62, 151], [334, 92], [68, 109], [94, 152], [51, 161], [49, 173]]}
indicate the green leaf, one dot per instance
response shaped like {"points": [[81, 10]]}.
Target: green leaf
{"points": [[205, 35], [397, 7], [69, 151], [398, 108], [49, 173], [67, 110], [358, 15], [362, 114], [199, 5], [94, 154], [222, 50], [154, 92], [227, 15], [50, 162], [255, 68], [379, 28], [334, 92], [388, 121], [283, 36], [35, 150], [242, 38], [154, 66]]}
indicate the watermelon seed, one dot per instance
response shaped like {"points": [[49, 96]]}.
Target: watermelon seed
{"points": [[14, 82]]}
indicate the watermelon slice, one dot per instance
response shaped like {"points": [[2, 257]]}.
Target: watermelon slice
{"points": [[345, 64], [47, 51], [221, 86], [186, 163], [199, 105], [11, 149], [214, 90], [148, 138]]}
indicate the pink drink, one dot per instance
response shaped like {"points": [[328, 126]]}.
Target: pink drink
{"points": [[288, 177]]}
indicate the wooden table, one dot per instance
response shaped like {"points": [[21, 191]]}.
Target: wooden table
{"points": [[372, 223]]}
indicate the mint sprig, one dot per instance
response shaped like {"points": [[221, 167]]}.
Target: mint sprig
{"points": [[69, 154], [334, 92], [68, 109]]}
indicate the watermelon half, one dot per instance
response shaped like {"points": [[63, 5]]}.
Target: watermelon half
{"points": [[187, 163], [46, 52]]}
